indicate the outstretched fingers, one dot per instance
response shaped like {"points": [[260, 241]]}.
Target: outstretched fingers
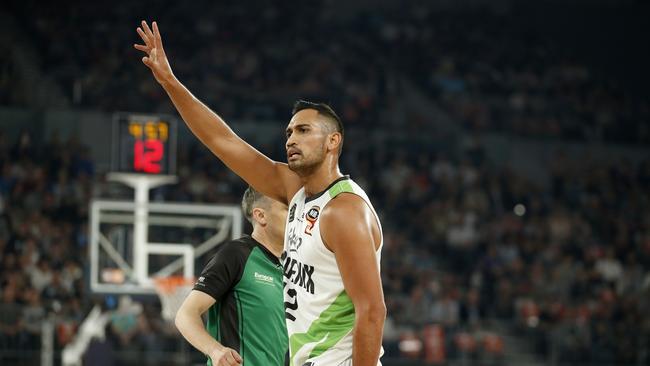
{"points": [[149, 46], [144, 37], [154, 55], [156, 36], [147, 30], [140, 47]]}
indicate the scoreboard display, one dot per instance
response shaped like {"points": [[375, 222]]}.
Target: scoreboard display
{"points": [[144, 144]]}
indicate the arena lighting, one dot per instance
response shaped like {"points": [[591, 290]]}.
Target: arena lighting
{"points": [[532, 321], [410, 345], [519, 210]]}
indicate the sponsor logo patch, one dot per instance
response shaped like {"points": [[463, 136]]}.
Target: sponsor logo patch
{"points": [[312, 216], [259, 277]]}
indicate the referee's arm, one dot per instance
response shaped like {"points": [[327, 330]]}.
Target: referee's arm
{"points": [[189, 323]]}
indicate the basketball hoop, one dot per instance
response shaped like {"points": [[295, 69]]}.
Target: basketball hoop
{"points": [[172, 291]]}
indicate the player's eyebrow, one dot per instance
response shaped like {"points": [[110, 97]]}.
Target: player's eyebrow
{"points": [[289, 129]]}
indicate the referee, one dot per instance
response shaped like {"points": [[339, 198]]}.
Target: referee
{"points": [[241, 289]]}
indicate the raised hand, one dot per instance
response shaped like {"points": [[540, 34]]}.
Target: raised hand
{"points": [[155, 60]]}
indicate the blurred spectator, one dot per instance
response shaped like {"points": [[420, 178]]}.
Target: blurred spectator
{"points": [[34, 316], [12, 332], [41, 275], [125, 321]]}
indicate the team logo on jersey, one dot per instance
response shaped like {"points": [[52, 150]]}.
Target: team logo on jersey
{"points": [[312, 216], [293, 240], [292, 212]]}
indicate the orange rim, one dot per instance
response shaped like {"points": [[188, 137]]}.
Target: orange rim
{"points": [[168, 285]]}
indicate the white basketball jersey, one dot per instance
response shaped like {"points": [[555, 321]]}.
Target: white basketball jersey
{"points": [[319, 313]]}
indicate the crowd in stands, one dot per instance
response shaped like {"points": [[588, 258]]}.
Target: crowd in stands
{"points": [[251, 64], [44, 197], [481, 68], [491, 75], [567, 263]]}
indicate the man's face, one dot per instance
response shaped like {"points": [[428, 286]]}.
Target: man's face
{"points": [[306, 141], [276, 214]]}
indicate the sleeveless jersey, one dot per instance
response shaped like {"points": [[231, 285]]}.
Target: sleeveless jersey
{"points": [[319, 313]]}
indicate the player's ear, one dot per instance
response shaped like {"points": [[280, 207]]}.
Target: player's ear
{"points": [[334, 140], [259, 216]]}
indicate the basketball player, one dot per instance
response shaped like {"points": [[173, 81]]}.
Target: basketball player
{"points": [[241, 289], [333, 296]]}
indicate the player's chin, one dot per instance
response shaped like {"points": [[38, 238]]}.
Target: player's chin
{"points": [[294, 165], [300, 167]]}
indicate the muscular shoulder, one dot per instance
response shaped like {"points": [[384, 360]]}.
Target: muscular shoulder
{"points": [[346, 215], [345, 206]]}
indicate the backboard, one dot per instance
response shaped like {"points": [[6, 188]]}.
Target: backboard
{"points": [[176, 240]]}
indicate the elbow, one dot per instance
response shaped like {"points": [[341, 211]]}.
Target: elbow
{"points": [[372, 312], [186, 317], [379, 312], [178, 319]]}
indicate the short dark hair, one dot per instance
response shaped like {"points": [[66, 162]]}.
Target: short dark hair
{"points": [[325, 110], [251, 199]]}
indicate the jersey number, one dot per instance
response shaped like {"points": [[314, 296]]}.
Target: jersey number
{"points": [[291, 305]]}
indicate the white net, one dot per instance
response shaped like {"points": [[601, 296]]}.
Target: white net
{"points": [[172, 291]]}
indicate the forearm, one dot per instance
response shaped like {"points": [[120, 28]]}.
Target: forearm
{"points": [[202, 121], [252, 166], [367, 336], [192, 328]]}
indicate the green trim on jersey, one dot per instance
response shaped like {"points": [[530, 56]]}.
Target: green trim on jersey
{"points": [[340, 187], [240, 326], [217, 310], [330, 327]]}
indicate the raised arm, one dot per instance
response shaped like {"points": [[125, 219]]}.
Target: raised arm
{"points": [[350, 230], [273, 179]]}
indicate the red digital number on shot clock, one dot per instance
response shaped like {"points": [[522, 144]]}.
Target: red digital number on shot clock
{"points": [[147, 156]]}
